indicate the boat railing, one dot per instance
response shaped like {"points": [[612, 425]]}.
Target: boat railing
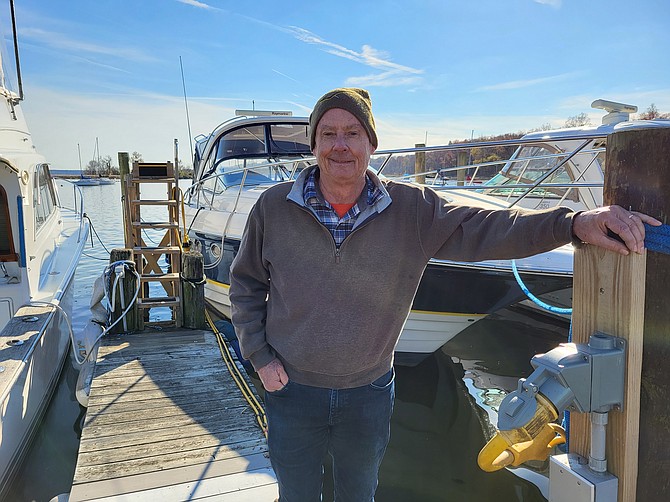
{"points": [[521, 180], [557, 154], [77, 205]]}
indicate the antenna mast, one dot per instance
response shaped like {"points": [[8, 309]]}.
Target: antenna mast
{"points": [[188, 120]]}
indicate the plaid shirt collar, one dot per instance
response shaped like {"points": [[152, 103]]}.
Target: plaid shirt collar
{"points": [[313, 196], [340, 228]]}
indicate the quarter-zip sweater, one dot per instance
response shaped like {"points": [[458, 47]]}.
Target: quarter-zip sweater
{"points": [[333, 316]]}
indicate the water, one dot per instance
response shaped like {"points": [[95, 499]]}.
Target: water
{"points": [[443, 413]]}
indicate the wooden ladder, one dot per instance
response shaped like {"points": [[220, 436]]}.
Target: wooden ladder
{"points": [[160, 286]]}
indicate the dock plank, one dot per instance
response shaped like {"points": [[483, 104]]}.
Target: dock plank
{"points": [[165, 421]]}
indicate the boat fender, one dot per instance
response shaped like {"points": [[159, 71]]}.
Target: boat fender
{"points": [[88, 338], [98, 309]]}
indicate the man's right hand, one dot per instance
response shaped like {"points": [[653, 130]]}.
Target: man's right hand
{"points": [[273, 375]]}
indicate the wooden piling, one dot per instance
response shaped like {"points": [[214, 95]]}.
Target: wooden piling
{"points": [[461, 160], [627, 296], [420, 164], [124, 173], [193, 290], [127, 289]]}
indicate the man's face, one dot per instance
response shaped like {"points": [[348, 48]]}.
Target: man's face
{"points": [[342, 148]]}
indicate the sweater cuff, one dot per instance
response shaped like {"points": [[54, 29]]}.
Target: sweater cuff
{"points": [[576, 242], [262, 357]]}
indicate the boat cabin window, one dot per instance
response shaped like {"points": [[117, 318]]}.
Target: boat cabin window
{"points": [[7, 252], [289, 138], [242, 142], [44, 198]]}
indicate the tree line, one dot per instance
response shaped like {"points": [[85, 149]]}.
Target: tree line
{"points": [[103, 166]]}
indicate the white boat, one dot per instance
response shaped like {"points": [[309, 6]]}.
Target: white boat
{"points": [[85, 181], [244, 156], [40, 246]]}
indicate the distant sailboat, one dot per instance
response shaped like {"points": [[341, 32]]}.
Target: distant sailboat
{"points": [[84, 181], [101, 179], [92, 180]]}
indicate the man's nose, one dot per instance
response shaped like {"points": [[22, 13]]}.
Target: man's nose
{"points": [[340, 142]]}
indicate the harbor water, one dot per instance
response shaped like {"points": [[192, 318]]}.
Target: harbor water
{"points": [[444, 411]]}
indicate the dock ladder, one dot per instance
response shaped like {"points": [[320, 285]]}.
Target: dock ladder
{"points": [[160, 282]]}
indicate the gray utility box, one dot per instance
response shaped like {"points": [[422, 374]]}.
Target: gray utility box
{"points": [[571, 480]]}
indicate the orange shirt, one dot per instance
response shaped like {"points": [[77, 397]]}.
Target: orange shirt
{"points": [[341, 209]]}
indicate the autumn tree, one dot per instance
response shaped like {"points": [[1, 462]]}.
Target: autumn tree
{"points": [[653, 113], [578, 120]]}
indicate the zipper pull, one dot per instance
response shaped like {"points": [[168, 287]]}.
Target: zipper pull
{"points": [[337, 255]]}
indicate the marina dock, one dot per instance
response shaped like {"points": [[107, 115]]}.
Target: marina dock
{"points": [[166, 422]]}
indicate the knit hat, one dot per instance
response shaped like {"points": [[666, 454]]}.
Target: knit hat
{"points": [[355, 101]]}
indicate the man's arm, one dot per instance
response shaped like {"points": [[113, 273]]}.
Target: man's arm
{"points": [[593, 227], [249, 287]]}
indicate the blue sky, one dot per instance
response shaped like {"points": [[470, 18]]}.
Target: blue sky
{"points": [[436, 69]]}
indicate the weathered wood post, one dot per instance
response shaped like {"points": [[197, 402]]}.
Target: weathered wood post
{"points": [[628, 297], [420, 164], [124, 173], [193, 290], [461, 160], [125, 291]]}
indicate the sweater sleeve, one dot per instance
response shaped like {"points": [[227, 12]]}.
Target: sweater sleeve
{"points": [[466, 233], [249, 286]]}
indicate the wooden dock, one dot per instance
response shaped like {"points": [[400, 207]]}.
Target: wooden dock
{"points": [[166, 422]]}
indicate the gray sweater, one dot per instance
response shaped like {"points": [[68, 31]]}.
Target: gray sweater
{"points": [[333, 316]]}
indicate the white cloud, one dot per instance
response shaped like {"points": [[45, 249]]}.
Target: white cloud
{"points": [[58, 41], [556, 4], [385, 79], [519, 84], [147, 123], [393, 74], [195, 3]]}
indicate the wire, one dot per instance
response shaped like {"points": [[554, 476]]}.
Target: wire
{"points": [[535, 299]]}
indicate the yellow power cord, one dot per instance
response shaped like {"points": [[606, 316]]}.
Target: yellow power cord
{"points": [[247, 393]]}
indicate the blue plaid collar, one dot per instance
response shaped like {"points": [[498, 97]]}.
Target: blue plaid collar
{"points": [[312, 194]]}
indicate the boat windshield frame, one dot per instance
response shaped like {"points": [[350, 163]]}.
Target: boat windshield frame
{"points": [[255, 144]]}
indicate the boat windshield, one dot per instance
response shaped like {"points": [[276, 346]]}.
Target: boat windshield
{"points": [[526, 167], [271, 150], [8, 74]]}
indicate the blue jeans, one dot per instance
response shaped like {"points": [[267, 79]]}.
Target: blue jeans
{"points": [[352, 425]]}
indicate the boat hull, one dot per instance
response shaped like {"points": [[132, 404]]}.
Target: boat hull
{"points": [[34, 345], [35, 377]]}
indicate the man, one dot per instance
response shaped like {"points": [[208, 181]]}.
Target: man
{"points": [[325, 277]]}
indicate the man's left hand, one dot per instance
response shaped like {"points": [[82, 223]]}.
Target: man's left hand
{"points": [[592, 227]]}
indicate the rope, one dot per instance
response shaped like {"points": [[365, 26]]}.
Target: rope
{"points": [[194, 282], [247, 393], [657, 238], [96, 234]]}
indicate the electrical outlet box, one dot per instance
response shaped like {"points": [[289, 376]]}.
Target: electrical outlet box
{"points": [[571, 480]]}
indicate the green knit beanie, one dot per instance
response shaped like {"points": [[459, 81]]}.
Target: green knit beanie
{"points": [[355, 101]]}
